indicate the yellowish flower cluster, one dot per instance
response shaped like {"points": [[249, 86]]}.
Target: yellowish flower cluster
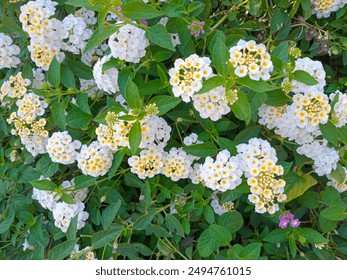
{"points": [[148, 164], [95, 160], [177, 164], [115, 133], [33, 135], [311, 109], [44, 32], [30, 107], [266, 190], [251, 59], [15, 87], [187, 76]]}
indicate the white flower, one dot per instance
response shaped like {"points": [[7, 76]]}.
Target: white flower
{"points": [[249, 58], [8, 52], [128, 43], [95, 160], [61, 148], [106, 80]]}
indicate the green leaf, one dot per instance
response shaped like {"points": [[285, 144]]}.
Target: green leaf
{"points": [[212, 238], [139, 10], [6, 224], [58, 115], [165, 103], [110, 213], [208, 214], [241, 108], [144, 221], [277, 98], [44, 185], [132, 95], [174, 225], [292, 246], [77, 118], [81, 70], [304, 77], [257, 86], [53, 74], [232, 221], [62, 250], [46, 167], [211, 83], [135, 136], [338, 174], [106, 236], [334, 213], [311, 235], [202, 150], [67, 76], [309, 199], [67, 199], [100, 35], [220, 57], [276, 22], [276, 236], [226, 143], [281, 52], [195, 8], [83, 3], [297, 184], [247, 134], [72, 229], [158, 35], [84, 181], [329, 132], [82, 102], [117, 160], [250, 252], [255, 8]]}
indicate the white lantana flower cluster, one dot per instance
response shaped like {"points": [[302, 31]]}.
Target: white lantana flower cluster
{"points": [[211, 104], [249, 58], [258, 161], [94, 160], [63, 213], [323, 8], [115, 134], [300, 120], [187, 75], [74, 34], [325, 158], [61, 148], [44, 32], [315, 69], [310, 110], [31, 131], [106, 80], [15, 87], [340, 187], [8, 52], [155, 130], [177, 164], [218, 208], [129, 43], [339, 112], [221, 174], [148, 164], [30, 107]]}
